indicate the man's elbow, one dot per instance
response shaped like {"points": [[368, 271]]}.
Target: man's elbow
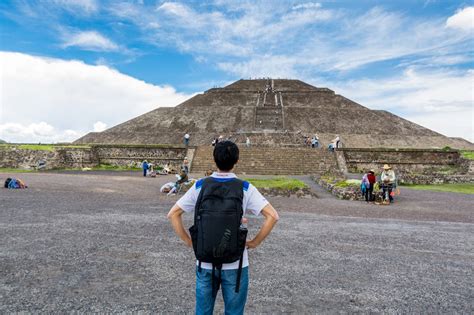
{"points": [[173, 212], [275, 217]]}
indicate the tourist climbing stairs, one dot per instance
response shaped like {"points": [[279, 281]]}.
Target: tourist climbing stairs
{"points": [[271, 160]]}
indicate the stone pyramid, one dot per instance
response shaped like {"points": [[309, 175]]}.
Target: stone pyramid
{"points": [[273, 112]]}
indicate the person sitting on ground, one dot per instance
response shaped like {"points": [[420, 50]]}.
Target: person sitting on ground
{"points": [[388, 180], [14, 183], [182, 178], [314, 142]]}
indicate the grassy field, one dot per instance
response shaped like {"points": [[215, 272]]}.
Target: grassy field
{"points": [[40, 147], [349, 183], [456, 188], [468, 155], [277, 182], [107, 167], [14, 170]]}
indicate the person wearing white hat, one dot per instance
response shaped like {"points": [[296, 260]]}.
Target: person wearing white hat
{"points": [[388, 179]]}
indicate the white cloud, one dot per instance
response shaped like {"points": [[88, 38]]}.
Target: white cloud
{"points": [[307, 5], [89, 40], [463, 19], [264, 66], [36, 132], [85, 6], [52, 100], [314, 38], [420, 96], [99, 126]]}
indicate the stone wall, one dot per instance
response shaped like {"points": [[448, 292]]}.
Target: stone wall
{"points": [[133, 155], [405, 161], [117, 155], [330, 184], [12, 157], [435, 179]]}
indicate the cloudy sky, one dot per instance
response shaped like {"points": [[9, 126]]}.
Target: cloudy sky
{"points": [[72, 66]]}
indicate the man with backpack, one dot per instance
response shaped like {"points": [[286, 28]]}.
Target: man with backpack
{"points": [[218, 236]]}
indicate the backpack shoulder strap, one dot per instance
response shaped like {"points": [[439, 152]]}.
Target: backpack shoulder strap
{"points": [[200, 184]]}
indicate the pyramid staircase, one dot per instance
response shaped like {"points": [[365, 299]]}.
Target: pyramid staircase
{"points": [[269, 109], [271, 161]]}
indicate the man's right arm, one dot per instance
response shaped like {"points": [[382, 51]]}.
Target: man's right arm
{"points": [[175, 216], [271, 218]]}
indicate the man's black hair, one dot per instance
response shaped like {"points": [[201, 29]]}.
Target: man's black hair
{"points": [[226, 155]]}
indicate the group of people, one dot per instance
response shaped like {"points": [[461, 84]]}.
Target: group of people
{"points": [[148, 170], [386, 185], [312, 142]]}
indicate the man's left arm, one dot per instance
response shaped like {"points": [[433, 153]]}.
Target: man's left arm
{"points": [[271, 218], [175, 216]]}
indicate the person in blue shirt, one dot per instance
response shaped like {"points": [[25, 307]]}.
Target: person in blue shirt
{"points": [[144, 167]]}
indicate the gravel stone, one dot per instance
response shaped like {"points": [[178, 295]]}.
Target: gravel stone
{"points": [[100, 242]]}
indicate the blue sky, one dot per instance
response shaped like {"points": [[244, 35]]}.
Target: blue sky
{"points": [[61, 58]]}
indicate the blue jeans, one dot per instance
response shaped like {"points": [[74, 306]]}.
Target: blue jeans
{"points": [[234, 302]]}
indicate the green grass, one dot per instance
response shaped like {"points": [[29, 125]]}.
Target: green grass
{"points": [[468, 155], [108, 167], [41, 147], [35, 147], [278, 183], [348, 183], [14, 170], [456, 188]]}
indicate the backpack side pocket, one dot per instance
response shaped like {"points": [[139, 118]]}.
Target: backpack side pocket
{"points": [[193, 231]]}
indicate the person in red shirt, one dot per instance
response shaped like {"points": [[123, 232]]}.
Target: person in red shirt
{"points": [[372, 180], [369, 180]]}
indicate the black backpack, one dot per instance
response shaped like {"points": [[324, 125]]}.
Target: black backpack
{"points": [[7, 181], [217, 235]]}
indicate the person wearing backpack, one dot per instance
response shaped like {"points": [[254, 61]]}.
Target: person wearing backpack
{"points": [[218, 236]]}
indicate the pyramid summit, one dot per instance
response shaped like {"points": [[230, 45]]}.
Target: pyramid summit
{"points": [[273, 112]]}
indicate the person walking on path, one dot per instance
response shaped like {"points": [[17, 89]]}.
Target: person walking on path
{"points": [[145, 167], [205, 199]]}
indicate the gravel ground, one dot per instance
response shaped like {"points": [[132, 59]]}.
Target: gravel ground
{"points": [[100, 242]]}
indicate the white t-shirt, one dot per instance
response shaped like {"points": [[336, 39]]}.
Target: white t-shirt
{"points": [[186, 136], [253, 202]]}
